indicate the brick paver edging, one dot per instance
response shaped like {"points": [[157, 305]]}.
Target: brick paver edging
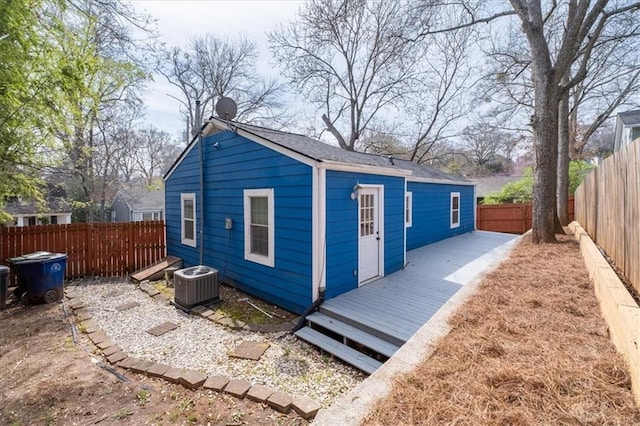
{"points": [[192, 379]]}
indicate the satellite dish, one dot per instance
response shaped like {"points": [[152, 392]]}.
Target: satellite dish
{"points": [[226, 108]]}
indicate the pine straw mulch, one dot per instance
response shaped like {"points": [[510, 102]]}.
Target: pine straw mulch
{"points": [[529, 348]]}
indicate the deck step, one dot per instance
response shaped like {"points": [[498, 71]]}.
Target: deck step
{"points": [[354, 334], [344, 352], [361, 321]]}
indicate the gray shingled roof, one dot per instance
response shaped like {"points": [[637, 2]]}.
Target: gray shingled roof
{"points": [[52, 205], [321, 151], [629, 118], [142, 199]]}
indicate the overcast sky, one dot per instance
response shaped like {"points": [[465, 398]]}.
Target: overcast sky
{"points": [[179, 20]]}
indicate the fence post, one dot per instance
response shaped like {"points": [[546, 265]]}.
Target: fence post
{"points": [[89, 248]]}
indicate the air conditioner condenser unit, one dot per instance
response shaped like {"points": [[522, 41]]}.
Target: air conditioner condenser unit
{"points": [[197, 285]]}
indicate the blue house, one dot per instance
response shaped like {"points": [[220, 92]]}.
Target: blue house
{"points": [[285, 217]]}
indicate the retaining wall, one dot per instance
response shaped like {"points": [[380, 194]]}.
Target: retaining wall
{"points": [[619, 309]]}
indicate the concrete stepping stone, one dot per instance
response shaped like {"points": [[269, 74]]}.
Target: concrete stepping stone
{"points": [[116, 357], [260, 393], [83, 315], [129, 362], [216, 317], [165, 327], [77, 304], [98, 337], [160, 298], [249, 350], [105, 344], [202, 311], [71, 293], [306, 407], [216, 383], [127, 306], [142, 366], [111, 350], [149, 289], [89, 323], [158, 370], [173, 374], [192, 379], [237, 388], [280, 401], [91, 328]]}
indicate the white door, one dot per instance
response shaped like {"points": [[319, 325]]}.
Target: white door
{"points": [[369, 242]]}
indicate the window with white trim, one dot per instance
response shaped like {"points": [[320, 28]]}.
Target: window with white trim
{"points": [[147, 216], [188, 219], [408, 209], [259, 226], [455, 209]]}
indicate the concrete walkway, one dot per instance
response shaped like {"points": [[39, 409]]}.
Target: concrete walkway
{"points": [[457, 264]]}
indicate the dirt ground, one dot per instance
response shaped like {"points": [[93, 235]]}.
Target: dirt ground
{"points": [[529, 348], [45, 378]]}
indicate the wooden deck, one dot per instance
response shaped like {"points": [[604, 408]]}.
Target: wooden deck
{"points": [[393, 308]]}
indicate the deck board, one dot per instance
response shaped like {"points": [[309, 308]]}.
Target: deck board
{"points": [[399, 304]]}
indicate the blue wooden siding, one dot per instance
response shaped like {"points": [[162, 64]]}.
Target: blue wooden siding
{"points": [[184, 179], [238, 164], [432, 212], [342, 228]]}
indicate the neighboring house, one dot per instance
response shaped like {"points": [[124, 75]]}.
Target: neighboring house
{"points": [[486, 185], [137, 204], [55, 211], [627, 129], [286, 217]]}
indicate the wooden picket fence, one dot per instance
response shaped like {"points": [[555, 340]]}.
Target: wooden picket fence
{"points": [[509, 218], [92, 249], [607, 207]]}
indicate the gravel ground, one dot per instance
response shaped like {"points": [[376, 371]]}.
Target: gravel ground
{"points": [[289, 365]]}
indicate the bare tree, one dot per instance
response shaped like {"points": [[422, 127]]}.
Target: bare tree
{"points": [[211, 68], [613, 82], [112, 147], [349, 57], [558, 62], [152, 146], [95, 54], [439, 99], [483, 143]]}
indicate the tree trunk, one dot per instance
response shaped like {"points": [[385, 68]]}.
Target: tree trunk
{"points": [[563, 159], [545, 148]]}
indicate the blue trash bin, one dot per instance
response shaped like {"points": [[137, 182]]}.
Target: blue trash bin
{"points": [[4, 275], [40, 276]]}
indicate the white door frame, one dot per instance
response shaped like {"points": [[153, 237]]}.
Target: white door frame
{"points": [[379, 206]]}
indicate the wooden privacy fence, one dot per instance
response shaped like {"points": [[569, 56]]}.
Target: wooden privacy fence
{"points": [[607, 208], [93, 249], [509, 218]]}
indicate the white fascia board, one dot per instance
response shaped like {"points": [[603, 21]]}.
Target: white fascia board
{"points": [[438, 181], [404, 249], [208, 128], [363, 168], [475, 209]]}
